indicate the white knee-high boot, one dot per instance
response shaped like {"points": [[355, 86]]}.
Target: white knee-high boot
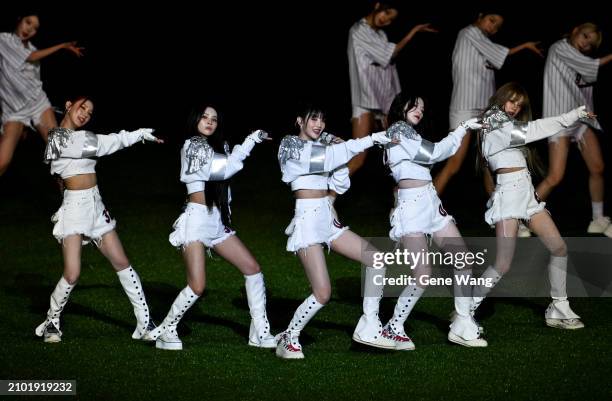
{"points": [[259, 330], [394, 329], [559, 313], [288, 344], [479, 292], [369, 328], [130, 281], [59, 298], [165, 334], [464, 330]]}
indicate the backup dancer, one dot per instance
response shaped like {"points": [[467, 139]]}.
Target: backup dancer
{"points": [[372, 70], [24, 103], [475, 59], [569, 76]]}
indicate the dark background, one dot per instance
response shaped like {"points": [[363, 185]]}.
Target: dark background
{"points": [[145, 65]]}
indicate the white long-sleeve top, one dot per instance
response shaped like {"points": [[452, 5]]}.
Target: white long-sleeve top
{"points": [[413, 157], [502, 136], [200, 163], [74, 152], [313, 165]]}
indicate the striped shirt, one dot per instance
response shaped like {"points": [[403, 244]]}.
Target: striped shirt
{"points": [[19, 79], [568, 80], [475, 57], [374, 79]]}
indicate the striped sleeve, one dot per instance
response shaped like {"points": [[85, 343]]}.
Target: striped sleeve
{"points": [[492, 52], [13, 51], [373, 45], [584, 65]]}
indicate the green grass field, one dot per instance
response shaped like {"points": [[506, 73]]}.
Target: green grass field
{"points": [[524, 360]]}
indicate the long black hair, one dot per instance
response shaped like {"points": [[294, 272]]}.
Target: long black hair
{"points": [[216, 192], [402, 104]]}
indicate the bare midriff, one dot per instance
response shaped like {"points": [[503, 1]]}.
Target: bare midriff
{"points": [[80, 182]]}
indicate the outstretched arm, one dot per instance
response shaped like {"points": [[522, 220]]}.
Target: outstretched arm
{"points": [[532, 46], [418, 28], [605, 60], [40, 54]]}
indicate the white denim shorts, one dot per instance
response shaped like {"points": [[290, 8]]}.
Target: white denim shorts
{"points": [[514, 198], [314, 222], [419, 210], [82, 212], [199, 223]]}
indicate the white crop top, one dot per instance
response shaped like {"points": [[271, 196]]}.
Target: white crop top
{"points": [[74, 152], [316, 165], [200, 163], [502, 135], [413, 157]]}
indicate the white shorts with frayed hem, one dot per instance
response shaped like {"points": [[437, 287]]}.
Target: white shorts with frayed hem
{"points": [[514, 198], [199, 223], [419, 210], [314, 222], [82, 212]]}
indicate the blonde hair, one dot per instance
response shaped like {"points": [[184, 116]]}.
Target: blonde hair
{"points": [[511, 91], [589, 27]]}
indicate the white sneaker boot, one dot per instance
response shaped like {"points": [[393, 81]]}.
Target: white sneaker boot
{"points": [[559, 314], [259, 331], [394, 329], [165, 334], [369, 328], [50, 328], [133, 289], [288, 341], [479, 292], [464, 330]]}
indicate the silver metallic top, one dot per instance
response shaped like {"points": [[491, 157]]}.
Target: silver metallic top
{"points": [[402, 128], [90, 146], [425, 152], [198, 154], [58, 138], [495, 118], [317, 158], [218, 167], [290, 148]]}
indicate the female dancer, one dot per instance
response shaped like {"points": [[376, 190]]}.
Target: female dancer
{"points": [[24, 102], [313, 168], [206, 168], [83, 217], [419, 213], [475, 59], [506, 129], [569, 76]]}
